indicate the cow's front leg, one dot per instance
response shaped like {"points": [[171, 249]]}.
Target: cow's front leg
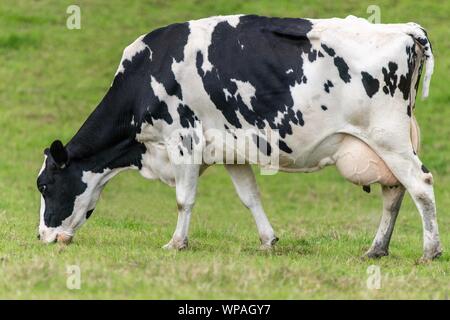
{"points": [[392, 200], [186, 177], [245, 185]]}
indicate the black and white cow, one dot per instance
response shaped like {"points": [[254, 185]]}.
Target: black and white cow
{"points": [[331, 91]]}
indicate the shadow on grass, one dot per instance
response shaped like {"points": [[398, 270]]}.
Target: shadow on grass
{"points": [[245, 247]]}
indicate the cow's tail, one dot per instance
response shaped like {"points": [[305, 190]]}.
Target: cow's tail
{"points": [[420, 36]]}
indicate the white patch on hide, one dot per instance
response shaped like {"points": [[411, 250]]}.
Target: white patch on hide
{"points": [[227, 94], [133, 49], [201, 33], [246, 91], [279, 117]]}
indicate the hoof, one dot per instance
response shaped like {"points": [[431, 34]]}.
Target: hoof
{"points": [[268, 245], [429, 256], [176, 245], [375, 254]]}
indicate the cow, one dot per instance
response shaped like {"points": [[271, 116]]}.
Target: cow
{"points": [[313, 92]]}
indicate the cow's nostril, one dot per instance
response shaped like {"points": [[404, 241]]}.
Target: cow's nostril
{"points": [[39, 236]]}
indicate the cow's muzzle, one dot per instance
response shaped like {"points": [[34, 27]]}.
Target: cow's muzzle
{"points": [[53, 236], [64, 238]]}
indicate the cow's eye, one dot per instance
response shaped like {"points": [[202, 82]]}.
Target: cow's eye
{"points": [[42, 188]]}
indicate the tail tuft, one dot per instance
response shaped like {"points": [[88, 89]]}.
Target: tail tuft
{"points": [[420, 36], [429, 65]]}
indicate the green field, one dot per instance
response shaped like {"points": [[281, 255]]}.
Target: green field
{"points": [[51, 78]]}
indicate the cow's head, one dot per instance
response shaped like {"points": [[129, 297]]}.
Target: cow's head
{"points": [[69, 193]]}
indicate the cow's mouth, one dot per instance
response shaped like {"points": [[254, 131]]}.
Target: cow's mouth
{"points": [[63, 238]]}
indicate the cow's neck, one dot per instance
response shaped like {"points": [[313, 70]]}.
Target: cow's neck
{"points": [[107, 138]]}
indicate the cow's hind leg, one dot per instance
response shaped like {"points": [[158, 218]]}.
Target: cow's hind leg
{"points": [[186, 177], [392, 200], [418, 181], [245, 185]]}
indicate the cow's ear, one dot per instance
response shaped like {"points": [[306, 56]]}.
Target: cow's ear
{"points": [[59, 153]]}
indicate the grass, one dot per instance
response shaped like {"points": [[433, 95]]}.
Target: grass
{"points": [[52, 78]]}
